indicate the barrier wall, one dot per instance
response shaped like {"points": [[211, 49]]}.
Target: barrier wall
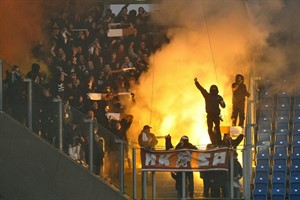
{"points": [[32, 169]]}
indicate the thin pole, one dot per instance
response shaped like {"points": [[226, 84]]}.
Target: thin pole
{"points": [[122, 167], [1, 85], [183, 185], [231, 174], [153, 185], [144, 185], [29, 98], [60, 137], [91, 147], [90, 143], [247, 151], [134, 172]]}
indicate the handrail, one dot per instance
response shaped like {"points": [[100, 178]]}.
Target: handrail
{"points": [[250, 128], [107, 134]]}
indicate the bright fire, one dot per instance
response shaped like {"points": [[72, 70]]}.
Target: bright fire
{"points": [[208, 48]]}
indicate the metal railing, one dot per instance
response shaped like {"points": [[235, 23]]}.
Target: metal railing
{"points": [[119, 169]]}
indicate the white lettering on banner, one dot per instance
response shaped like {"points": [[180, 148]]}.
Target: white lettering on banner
{"points": [[204, 159], [150, 159], [174, 160], [164, 159], [219, 158]]}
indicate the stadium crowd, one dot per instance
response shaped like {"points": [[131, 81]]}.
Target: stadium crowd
{"points": [[84, 59]]}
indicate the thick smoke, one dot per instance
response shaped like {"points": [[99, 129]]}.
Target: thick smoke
{"points": [[23, 27], [210, 40], [213, 41], [20, 24], [278, 58]]}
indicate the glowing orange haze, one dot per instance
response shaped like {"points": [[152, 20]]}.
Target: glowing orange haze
{"points": [[169, 101], [211, 41], [204, 45]]}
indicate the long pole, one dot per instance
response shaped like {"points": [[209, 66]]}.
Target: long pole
{"points": [[1, 86], [134, 171], [144, 185], [183, 185], [60, 137], [91, 140], [122, 167], [247, 151], [231, 174], [153, 185], [29, 103]]}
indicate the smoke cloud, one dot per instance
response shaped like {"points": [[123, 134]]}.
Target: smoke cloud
{"points": [[210, 40], [20, 24], [213, 41], [23, 27]]}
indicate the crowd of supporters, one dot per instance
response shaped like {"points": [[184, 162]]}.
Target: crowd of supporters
{"points": [[83, 59]]}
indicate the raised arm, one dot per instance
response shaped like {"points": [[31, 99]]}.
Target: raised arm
{"points": [[202, 90]]}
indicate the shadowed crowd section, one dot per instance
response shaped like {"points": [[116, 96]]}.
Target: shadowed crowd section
{"points": [[32, 169]]}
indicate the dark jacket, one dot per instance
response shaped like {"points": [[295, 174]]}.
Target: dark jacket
{"points": [[240, 93], [212, 101]]}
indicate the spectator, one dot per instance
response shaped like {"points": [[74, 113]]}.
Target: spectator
{"points": [[214, 182], [122, 16], [232, 143], [237, 175], [239, 92], [84, 128], [212, 102], [189, 179], [58, 87], [147, 139], [35, 74], [98, 153]]}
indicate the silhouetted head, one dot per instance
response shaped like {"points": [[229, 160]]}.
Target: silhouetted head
{"points": [[35, 67], [147, 128], [239, 78], [213, 89], [184, 140]]}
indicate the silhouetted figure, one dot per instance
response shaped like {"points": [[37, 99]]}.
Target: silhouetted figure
{"points": [[212, 102], [237, 175], [34, 74], [147, 139], [214, 182], [230, 142], [184, 144], [239, 94]]}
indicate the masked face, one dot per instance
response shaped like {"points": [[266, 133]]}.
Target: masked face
{"points": [[239, 79], [213, 90]]}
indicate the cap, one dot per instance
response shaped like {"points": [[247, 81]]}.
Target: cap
{"points": [[147, 126]]}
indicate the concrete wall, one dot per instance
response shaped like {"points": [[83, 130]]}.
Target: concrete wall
{"points": [[32, 169]]}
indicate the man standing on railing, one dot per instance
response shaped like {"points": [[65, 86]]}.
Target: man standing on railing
{"points": [[239, 94], [212, 102]]}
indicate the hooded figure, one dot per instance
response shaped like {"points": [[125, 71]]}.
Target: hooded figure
{"points": [[212, 102], [239, 94]]}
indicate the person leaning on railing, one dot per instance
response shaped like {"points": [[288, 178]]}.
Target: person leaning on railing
{"points": [[147, 139]]}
